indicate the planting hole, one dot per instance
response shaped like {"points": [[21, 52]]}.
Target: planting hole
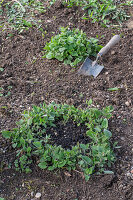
{"points": [[68, 135]]}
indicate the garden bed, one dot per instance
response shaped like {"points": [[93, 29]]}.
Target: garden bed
{"points": [[27, 79]]}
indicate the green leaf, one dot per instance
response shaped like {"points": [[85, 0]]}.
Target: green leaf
{"points": [[62, 49], [28, 149], [113, 89], [81, 162], [6, 134], [49, 55], [51, 168], [22, 141], [83, 146], [89, 171], [105, 123], [42, 165], [14, 145], [29, 121], [28, 170], [62, 164], [70, 39], [87, 159], [1, 69], [87, 177], [108, 172], [98, 129], [91, 134], [107, 133], [89, 102], [38, 144], [117, 147]]}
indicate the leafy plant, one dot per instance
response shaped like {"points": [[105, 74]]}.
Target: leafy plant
{"points": [[30, 140], [101, 11], [21, 15], [71, 46]]}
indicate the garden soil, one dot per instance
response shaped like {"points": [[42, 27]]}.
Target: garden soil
{"points": [[29, 79]]}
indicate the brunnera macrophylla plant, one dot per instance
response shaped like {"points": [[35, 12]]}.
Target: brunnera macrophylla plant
{"points": [[30, 141], [71, 47]]}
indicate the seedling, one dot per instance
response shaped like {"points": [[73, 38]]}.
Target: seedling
{"points": [[5, 93]]}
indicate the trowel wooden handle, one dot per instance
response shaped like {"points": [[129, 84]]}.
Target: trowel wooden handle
{"points": [[114, 40]]}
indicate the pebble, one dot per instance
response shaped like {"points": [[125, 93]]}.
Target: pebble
{"points": [[122, 138], [130, 25], [38, 195], [127, 103], [112, 52], [32, 193]]}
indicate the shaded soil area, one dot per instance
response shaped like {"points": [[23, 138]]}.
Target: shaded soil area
{"points": [[29, 79], [68, 135]]}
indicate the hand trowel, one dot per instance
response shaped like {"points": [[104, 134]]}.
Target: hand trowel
{"points": [[90, 67]]}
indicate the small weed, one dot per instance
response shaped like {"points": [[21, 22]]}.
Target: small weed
{"points": [[71, 46], [81, 95], [1, 69], [30, 140], [4, 92]]}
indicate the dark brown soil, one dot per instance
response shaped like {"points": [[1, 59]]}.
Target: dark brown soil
{"points": [[67, 135], [50, 80]]}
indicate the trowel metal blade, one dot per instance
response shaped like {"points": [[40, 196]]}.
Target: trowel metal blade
{"points": [[87, 69]]}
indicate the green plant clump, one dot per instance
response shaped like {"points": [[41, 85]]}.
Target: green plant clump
{"points": [[71, 46], [102, 11], [30, 140]]}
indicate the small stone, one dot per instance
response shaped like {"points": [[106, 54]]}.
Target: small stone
{"points": [[127, 103], [22, 184], [49, 21], [130, 25], [106, 73], [118, 129], [112, 52], [7, 56], [128, 174], [122, 138], [32, 193], [38, 195]]}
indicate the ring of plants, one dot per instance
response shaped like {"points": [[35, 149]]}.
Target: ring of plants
{"points": [[33, 142]]}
